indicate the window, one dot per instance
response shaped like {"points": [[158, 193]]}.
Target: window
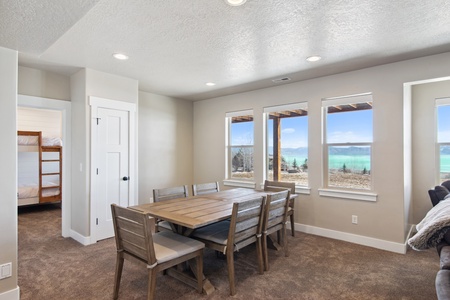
{"points": [[287, 143], [348, 136], [240, 145], [443, 137]]}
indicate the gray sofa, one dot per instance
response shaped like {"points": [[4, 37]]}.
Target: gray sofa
{"points": [[442, 282], [443, 276]]}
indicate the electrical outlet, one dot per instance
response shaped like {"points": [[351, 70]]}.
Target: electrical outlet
{"points": [[354, 219], [5, 270]]}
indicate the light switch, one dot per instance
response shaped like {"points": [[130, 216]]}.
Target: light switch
{"points": [[5, 270]]}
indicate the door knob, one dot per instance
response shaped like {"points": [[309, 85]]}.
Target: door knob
{"points": [[125, 178]]}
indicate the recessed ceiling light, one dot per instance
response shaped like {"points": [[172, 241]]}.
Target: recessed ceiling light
{"points": [[314, 58], [120, 56], [235, 2], [210, 84]]}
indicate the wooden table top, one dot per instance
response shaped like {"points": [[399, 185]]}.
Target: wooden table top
{"points": [[197, 211]]}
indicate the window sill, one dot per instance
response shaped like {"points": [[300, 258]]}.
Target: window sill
{"points": [[239, 183], [352, 195], [299, 189]]}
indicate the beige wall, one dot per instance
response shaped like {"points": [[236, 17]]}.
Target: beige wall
{"points": [[384, 219], [38, 83], [8, 180], [165, 143], [424, 155], [87, 83]]}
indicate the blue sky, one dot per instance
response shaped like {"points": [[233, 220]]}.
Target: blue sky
{"points": [[343, 127]]}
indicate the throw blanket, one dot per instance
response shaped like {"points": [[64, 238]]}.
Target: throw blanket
{"points": [[431, 230]]}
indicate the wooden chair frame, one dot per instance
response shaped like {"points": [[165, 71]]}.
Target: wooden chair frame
{"points": [[244, 229], [134, 242], [205, 188], [168, 194], [272, 185], [275, 217]]}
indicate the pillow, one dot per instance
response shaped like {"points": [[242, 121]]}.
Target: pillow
{"points": [[441, 192], [446, 197]]}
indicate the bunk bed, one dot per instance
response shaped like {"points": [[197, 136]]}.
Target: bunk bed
{"points": [[39, 168]]}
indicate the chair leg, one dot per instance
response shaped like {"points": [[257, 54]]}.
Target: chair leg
{"points": [[259, 253], [265, 252], [151, 289], [285, 246], [292, 225], [230, 263], [199, 263], [118, 275]]}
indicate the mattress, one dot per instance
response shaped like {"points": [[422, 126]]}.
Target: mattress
{"points": [[31, 140], [30, 191]]}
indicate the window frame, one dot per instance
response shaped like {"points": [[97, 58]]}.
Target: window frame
{"points": [[281, 108], [439, 102], [228, 149], [367, 194]]}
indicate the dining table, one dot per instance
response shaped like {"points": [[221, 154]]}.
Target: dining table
{"points": [[189, 213]]}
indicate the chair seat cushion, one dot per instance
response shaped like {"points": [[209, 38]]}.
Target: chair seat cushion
{"points": [[217, 232], [169, 245]]}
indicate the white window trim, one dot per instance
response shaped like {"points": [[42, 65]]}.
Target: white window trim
{"points": [[347, 194], [439, 102], [229, 181], [302, 189], [239, 183], [299, 189], [337, 192]]}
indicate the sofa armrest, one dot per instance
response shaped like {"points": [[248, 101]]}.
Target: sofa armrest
{"points": [[444, 257], [442, 284]]}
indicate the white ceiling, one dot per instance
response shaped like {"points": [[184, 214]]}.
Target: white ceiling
{"points": [[176, 46]]}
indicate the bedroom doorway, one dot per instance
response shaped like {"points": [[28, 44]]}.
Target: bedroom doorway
{"points": [[56, 108]]}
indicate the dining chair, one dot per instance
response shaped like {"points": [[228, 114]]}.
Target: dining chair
{"points": [[160, 251], [275, 216], [205, 188], [168, 194], [272, 185], [243, 229]]}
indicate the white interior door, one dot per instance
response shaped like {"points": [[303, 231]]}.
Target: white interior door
{"points": [[110, 165]]}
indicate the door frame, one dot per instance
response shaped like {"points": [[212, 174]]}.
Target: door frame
{"points": [[95, 103], [66, 131]]}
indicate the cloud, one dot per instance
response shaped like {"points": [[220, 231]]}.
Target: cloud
{"points": [[288, 130]]}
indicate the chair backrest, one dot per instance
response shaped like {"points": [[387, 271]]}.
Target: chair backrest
{"points": [[205, 188], [170, 193], [275, 213], [279, 184], [133, 233], [246, 222]]}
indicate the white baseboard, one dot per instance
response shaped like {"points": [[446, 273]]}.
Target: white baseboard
{"points": [[352, 238], [13, 294], [84, 240]]}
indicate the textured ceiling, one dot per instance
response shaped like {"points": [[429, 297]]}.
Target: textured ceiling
{"points": [[176, 46]]}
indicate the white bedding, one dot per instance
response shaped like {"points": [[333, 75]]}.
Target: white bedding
{"points": [[30, 140], [30, 191]]}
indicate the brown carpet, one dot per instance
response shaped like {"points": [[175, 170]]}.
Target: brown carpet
{"points": [[52, 267]]}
